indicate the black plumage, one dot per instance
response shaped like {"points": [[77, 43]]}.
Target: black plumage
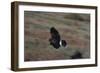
{"points": [[56, 39]]}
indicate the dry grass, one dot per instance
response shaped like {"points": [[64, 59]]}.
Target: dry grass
{"points": [[74, 28]]}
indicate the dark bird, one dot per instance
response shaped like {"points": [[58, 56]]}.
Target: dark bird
{"points": [[55, 39], [77, 55]]}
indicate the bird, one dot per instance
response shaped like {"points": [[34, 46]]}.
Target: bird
{"points": [[55, 39]]}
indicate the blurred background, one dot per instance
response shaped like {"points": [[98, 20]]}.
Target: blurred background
{"points": [[72, 27]]}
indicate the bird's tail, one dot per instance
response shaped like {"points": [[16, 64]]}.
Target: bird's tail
{"points": [[63, 43]]}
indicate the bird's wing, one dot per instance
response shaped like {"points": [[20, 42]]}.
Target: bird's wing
{"points": [[54, 33]]}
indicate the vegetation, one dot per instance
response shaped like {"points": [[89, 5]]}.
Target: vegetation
{"points": [[74, 28]]}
